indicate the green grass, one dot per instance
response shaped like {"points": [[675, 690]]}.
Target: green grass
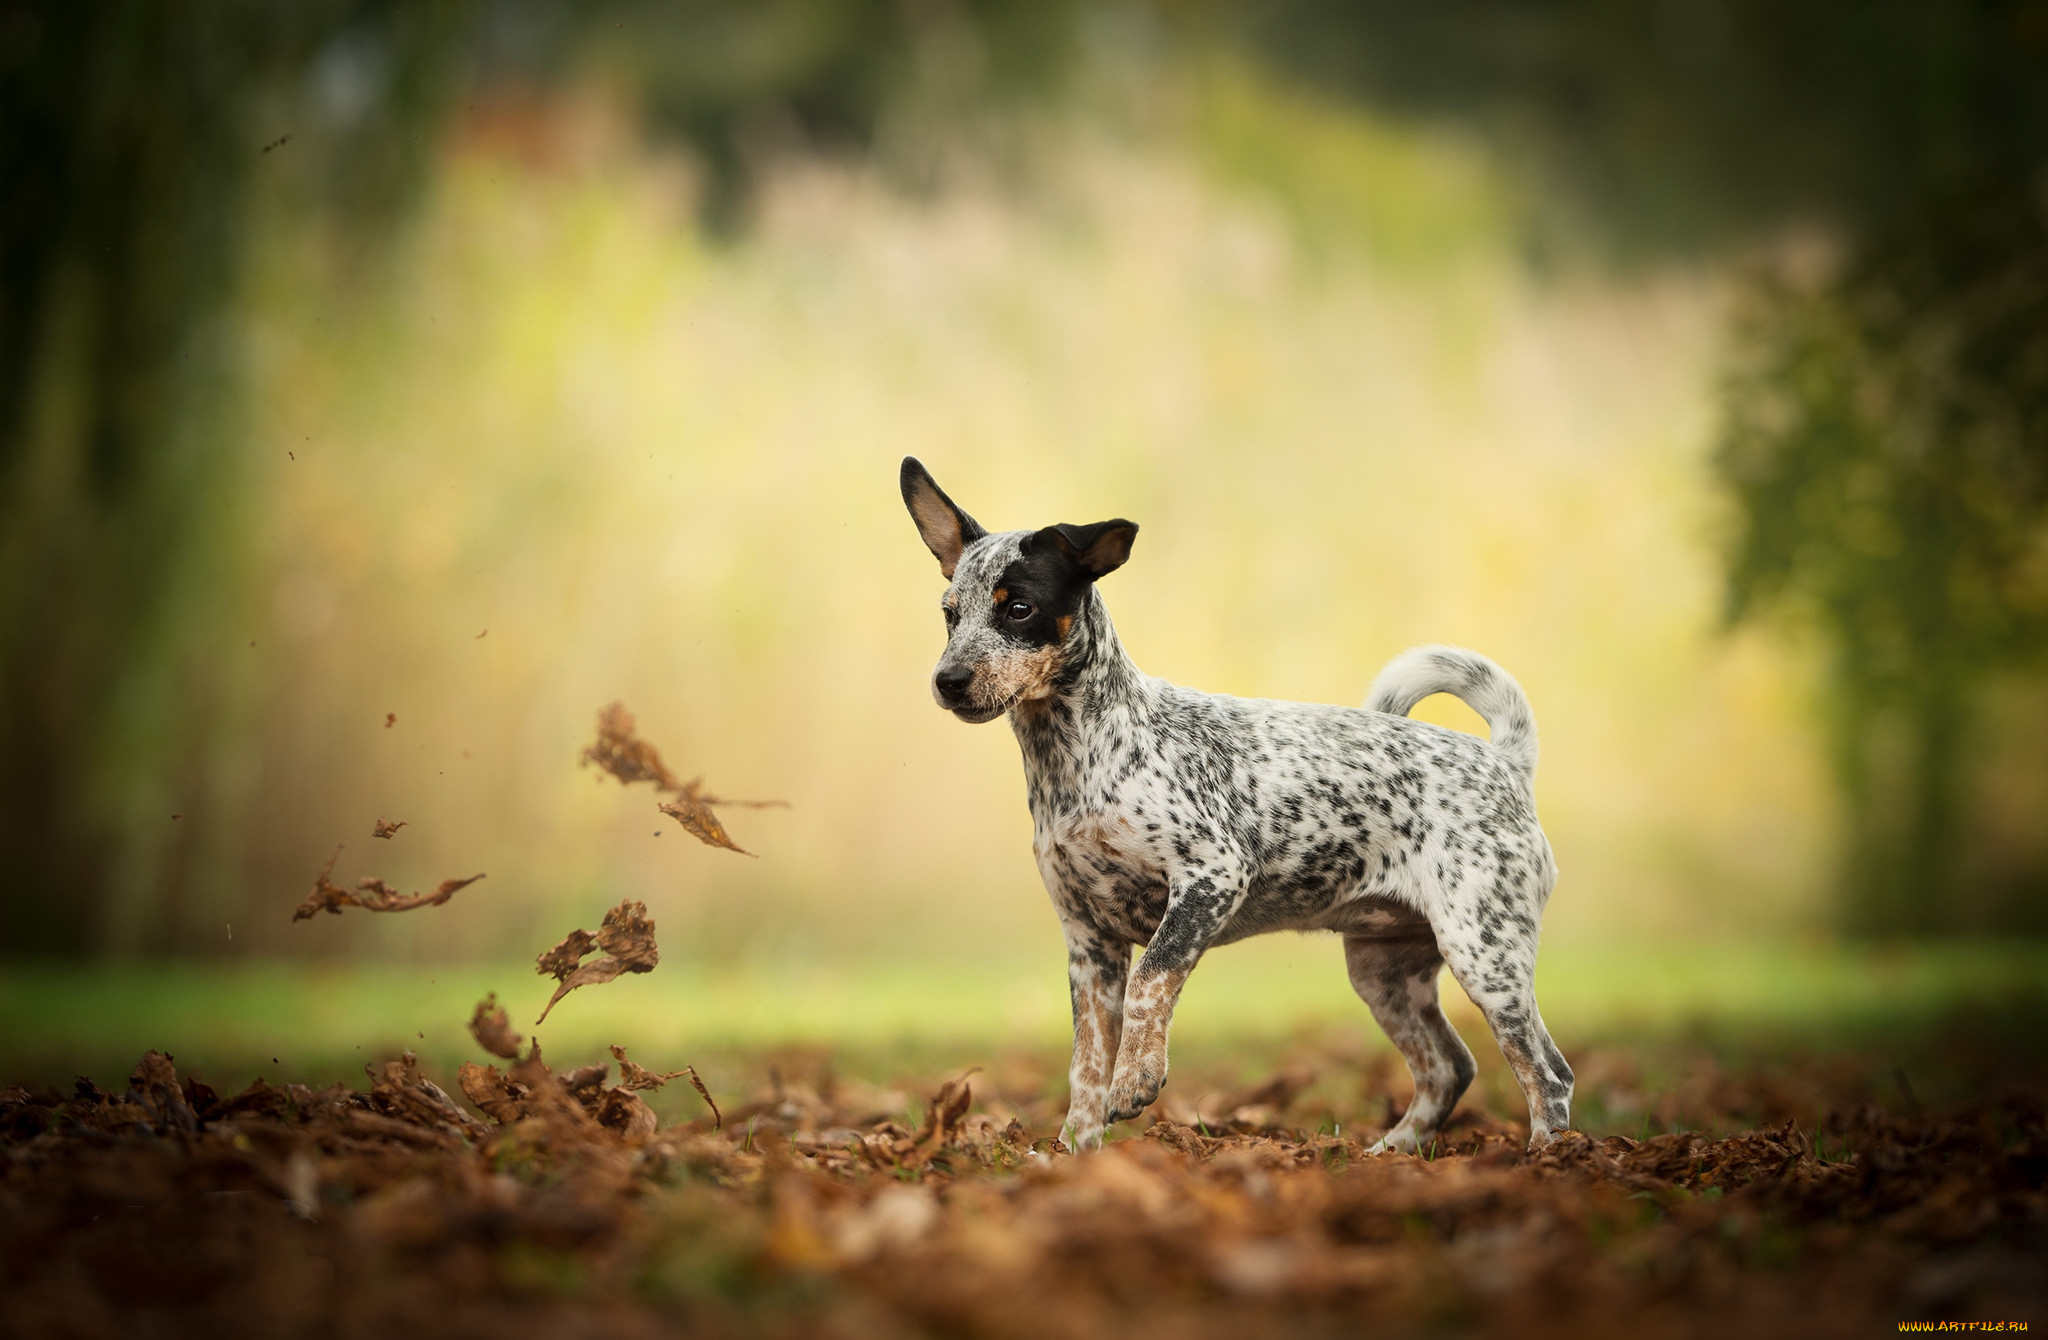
{"points": [[321, 1021]]}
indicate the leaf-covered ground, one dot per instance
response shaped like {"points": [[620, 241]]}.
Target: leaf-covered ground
{"points": [[1784, 1198]]}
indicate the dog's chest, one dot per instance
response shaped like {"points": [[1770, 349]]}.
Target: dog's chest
{"points": [[1108, 866]]}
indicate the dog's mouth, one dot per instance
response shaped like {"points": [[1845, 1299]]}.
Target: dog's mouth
{"points": [[970, 708]]}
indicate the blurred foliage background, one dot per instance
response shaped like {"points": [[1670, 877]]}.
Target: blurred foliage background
{"points": [[385, 387]]}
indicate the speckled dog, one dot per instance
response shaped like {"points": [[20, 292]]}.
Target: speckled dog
{"points": [[1178, 820]]}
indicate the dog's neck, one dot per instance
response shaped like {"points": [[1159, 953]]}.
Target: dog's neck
{"points": [[1098, 692]]}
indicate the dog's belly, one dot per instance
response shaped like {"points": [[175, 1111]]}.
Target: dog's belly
{"points": [[1370, 915]]}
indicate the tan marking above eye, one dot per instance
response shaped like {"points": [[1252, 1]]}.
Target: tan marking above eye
{"points": [[1002, 594], [1065, 621]]}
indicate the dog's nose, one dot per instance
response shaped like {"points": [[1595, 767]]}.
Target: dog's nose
{"points": [[952, 681]]}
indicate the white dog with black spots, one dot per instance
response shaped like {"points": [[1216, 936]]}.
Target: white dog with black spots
{"points": [[1176, 820]]}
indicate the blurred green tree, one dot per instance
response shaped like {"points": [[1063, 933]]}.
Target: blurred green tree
{"points": [[130, 141], [1885, 421], [1885, 436], [128, 136]]}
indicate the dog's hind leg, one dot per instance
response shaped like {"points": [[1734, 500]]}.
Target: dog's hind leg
{"points": [[1501, 980], [1397, 980]]}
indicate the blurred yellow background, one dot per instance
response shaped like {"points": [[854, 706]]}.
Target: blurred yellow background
{"points": [[573, 448]]}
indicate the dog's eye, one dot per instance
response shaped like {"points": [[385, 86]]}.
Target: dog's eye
{"points": [[1017, 611], [952, 615]]}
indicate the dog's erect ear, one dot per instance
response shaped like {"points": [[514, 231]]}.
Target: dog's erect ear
{"points": [[1097, 550], [946, 529]]}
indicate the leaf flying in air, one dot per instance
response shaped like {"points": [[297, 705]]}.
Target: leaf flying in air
{"points": [[372, 894], [627, 939], [631, 759], [492, 1028], [625, 755]]}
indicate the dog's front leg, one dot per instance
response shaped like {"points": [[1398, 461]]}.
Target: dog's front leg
{"points": [[1097, 969], [1196, 913]]}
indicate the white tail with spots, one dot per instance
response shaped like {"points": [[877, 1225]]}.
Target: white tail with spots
{"points": [[1486, 688]]}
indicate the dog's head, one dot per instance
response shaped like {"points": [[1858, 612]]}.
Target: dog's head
{"points": [[1013, 600]]}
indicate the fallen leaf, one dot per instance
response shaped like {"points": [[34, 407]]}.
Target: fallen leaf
{"points": [[492, 1028], [627, 939], [502, 1100], [633, 1075], [625, 1114], [717, 1121], [400, 1091], [390, 720], [385, 827]]}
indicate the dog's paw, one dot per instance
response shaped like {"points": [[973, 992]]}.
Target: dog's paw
{"points": [[1081, 1139], [1132, 1093], [1400, 1140]]}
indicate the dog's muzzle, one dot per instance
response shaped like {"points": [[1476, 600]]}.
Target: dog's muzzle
{"points": [[952, 687]]}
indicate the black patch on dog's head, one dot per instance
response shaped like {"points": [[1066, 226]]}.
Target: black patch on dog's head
{"points": [[1040, 593], [1096, 550]]}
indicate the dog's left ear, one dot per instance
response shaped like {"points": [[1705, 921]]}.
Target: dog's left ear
{"points": [[946, 530], [1097, 550]]}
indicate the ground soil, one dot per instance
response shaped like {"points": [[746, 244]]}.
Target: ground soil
{"points": [[558, 1204]]}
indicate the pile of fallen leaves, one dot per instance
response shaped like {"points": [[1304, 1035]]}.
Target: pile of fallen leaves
{"points": [[560, 1204]]}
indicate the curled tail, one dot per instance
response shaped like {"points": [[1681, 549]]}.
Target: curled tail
{"points": [[1486, 688]]}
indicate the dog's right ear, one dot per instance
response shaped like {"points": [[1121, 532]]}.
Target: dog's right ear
{"points": [[946, 529]]}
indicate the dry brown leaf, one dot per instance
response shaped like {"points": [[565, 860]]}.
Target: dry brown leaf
{"points": [[627, 939], [943, 1115], [549, 1096], [692, 809], [625, 1114], [385, 828], [623, 754], [502, 1100], [717, 1121], [401, 1091], [633, 1075], [586, 1083], [562, 959], [492, 1028], [631, 759], [371, 894], [154, 1085]]}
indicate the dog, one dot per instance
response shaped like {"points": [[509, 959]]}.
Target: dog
{"points": [[1176, 820]]}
